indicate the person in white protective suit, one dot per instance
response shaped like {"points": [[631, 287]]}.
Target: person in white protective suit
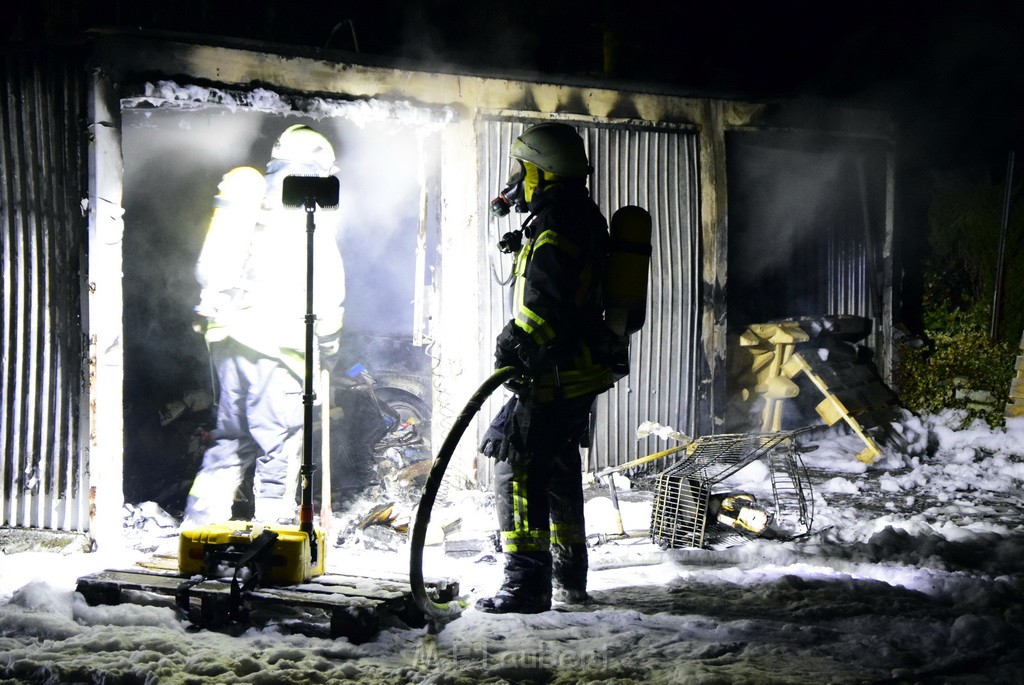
{"points": [[252, 270]]}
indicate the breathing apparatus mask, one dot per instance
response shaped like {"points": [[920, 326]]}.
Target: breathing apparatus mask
{"points": [[512, 195], [523, 183]]}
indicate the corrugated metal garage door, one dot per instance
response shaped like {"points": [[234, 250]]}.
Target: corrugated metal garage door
{"points": [[43, 479], [655, 168]]}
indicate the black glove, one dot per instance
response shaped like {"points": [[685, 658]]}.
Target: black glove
{"points": [[498, 430], [505, 438], [514, 347]]}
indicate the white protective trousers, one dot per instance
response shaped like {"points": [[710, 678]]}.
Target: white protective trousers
{"points": [[259, 420]]}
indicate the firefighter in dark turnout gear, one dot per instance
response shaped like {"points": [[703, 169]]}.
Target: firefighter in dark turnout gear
{"points": [[555, 338]]}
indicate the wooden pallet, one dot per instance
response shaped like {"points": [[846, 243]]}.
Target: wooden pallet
{"points": [[356, 605]]}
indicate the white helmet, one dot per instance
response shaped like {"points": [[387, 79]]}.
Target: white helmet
{"points": [[303, 145], [554, 147]]}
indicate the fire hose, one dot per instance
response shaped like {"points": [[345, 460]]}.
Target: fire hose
{"points": [[439, 611]]}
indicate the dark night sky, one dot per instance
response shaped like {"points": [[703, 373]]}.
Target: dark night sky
{"points": [[952, 71]]}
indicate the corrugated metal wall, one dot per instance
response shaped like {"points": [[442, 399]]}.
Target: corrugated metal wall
{"points": [[655, 168], [43, 474], [855, 251], [846, 258]]}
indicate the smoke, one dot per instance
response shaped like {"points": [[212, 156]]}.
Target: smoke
{"points": [[491, 34], [177, 142], [806, 223], [172, 163], [781, 198], [163, 92], [381, 164], [180, 139]]}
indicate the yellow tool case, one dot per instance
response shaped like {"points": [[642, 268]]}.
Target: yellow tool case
{"points": [[290, 559]]}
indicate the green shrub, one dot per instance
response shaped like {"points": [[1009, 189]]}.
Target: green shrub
{"points": [[964, 223], [961, 367]]}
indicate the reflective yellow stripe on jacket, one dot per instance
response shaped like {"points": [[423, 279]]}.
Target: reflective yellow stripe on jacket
{"points": [[582, 376], [527, 319]]}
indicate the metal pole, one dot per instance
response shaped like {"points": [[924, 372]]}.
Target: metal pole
{"points": [[997, 298], [308, 396], [326, 506]]}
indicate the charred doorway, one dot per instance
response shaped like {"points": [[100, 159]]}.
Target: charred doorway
{"points": [[808, 225], [174, 158]]}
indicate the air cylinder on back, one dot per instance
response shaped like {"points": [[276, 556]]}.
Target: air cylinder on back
{"points": [[626, 275]]}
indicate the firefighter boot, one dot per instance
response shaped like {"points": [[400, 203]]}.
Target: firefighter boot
{"points": [[569, 573], [526, 588], [273, 511]]}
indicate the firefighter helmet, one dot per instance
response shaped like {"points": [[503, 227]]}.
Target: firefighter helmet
{"points": [[554, 147], [303, 145], [242, 186]]}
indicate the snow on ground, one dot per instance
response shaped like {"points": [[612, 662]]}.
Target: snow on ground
{"points": [[913, 573]]}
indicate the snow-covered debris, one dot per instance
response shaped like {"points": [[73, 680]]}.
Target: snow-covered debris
{"points": [[914, 572]]}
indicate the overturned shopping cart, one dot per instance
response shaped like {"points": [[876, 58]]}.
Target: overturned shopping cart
{"points": [[692, 510]]}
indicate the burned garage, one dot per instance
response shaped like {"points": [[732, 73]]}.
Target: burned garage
{"points": [[539, 343], [761, 212]]}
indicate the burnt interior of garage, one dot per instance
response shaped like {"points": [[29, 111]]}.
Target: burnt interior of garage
{"points": [[807, 220], [381, 389]]}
